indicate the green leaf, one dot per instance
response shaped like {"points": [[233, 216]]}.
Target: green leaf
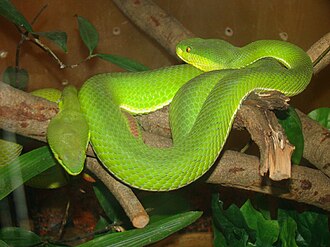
{"points": [[88, 33], [267, 230], [312, 229], [288, 229], [19, 237], [24, 168], [148, 235], [9, 11], [290, 122], [231, 223], [123, 62], [15, 77], [322, 116], [59, 38]]}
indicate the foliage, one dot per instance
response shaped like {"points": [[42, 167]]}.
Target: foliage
{"points": [[18, 77], [247, 226]]}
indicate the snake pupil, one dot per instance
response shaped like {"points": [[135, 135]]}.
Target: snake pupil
{"points": [[188, 49]]}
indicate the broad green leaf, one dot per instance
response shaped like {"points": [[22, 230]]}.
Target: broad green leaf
{"points": [[123, 62], [24, 168], [88, 33], [313, 229], [109, 204], [148, 235], [59, 38], [267, 230], [9, 11], [231, 223], [17, 78], [19, 237], [290, 122], [288, 229], [322, 116]]}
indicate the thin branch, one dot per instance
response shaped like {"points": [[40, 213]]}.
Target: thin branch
{"points": [[123, 194]]}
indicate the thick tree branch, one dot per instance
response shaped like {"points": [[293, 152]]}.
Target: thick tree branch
{"points": [[241, 171], [12, 99]]}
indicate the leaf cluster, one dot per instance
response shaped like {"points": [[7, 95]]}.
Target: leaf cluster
{"points": [[247, 226], [18, 77]]}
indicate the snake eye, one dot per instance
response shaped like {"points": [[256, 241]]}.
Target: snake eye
{"points": [[188, 49]]}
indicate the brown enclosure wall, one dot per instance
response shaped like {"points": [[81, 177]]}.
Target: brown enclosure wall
{"points": [[239, 21]]}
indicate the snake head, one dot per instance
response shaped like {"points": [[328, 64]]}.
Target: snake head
{"points": [[206, 54]]}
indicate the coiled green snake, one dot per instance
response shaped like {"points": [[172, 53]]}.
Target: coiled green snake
{"points": [[205, 95]]}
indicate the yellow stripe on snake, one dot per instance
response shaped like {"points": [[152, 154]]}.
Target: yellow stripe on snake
{"points": [[205, 95]]}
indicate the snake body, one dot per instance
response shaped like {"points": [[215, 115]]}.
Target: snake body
{"points": [[204, 97]]}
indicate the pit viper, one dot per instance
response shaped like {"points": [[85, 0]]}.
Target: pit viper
{"points": [[204, 96]]}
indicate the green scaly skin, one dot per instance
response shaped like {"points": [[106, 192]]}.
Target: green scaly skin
{"points": [[202, 110]]}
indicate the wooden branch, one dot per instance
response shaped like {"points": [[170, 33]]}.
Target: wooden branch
{"points": [[317, 143], [241, 171], [320, 53], [25, 114], [125, 196], [223, 176]]}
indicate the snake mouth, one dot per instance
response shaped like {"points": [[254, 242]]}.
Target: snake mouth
{"points": [[179, 53]]}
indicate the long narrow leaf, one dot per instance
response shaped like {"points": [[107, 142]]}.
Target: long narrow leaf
{"points": [[88, 33], [150, 234], [24, 168], [123, 62], [8, 10]]}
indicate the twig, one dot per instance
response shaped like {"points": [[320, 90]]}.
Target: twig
{"points": [[38, 14]]}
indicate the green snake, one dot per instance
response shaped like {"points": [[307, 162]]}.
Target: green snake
{"points": [[205, 95]]}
